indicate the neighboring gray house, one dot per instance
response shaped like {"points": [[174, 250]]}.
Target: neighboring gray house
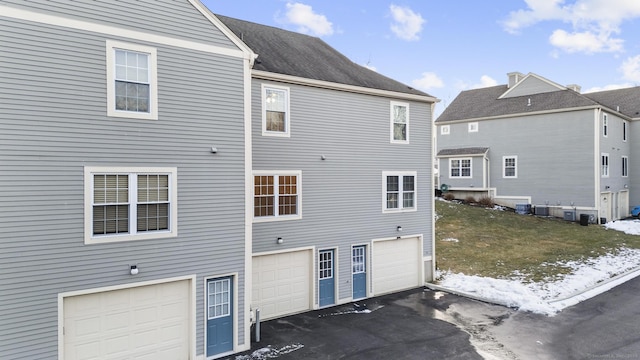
{"points": [[123, 173], [343, 205], [535, 142]]}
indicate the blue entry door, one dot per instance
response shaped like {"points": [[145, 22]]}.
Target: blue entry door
{"points": [[219, 316], [359, 271], [326, 278]]}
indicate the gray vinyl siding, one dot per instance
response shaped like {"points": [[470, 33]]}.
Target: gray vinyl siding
{"points": [[616, 147], [173, 18], [477, 172], [530, 86], [634, 166], [53, 124], [555, 153], [342, 195]]}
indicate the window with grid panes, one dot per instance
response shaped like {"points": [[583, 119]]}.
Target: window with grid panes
{"points": [[460, 168], [399, 191], [130, 205], [277, 196], [132, 80]]}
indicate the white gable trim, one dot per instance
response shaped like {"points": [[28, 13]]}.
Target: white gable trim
{"points": [[112, 31], [265, 75], [529, 75], [225, 30]]}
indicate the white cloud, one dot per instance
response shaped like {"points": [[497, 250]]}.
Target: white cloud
{"points": [[631, 69], [485, 81], [593, 22], [428, 81], [407, 24], [308, 22], [607, 87], [586, 42]]}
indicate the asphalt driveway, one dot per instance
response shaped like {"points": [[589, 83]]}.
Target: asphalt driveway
{"points": [[396, 326]]}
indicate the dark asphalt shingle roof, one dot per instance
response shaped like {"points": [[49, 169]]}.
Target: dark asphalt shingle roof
{"points": [[290, 53], [463, 151], [628, 100], [485, 102]]}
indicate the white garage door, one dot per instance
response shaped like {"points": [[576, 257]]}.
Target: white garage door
{"points": [[141, 323], [396, 265], [282, 283]]}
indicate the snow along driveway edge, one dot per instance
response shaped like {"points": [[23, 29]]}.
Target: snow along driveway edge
{"points": [[558, 304]]}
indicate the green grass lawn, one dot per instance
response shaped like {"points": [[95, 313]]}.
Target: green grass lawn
{"points": [[478, 241]]}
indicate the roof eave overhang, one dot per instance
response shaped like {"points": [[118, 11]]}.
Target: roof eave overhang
{"points": [[580, 108], [266, 75], [462, 154]]}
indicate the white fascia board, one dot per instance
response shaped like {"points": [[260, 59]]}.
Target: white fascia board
{"points": [[590, 107], [265, 75], [109, 30]]}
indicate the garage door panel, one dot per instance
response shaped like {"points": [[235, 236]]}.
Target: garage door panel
{"points": [[133, 323], [396, 265], [282, 283]]}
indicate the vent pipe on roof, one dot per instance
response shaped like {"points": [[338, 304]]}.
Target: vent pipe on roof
{"points": [[514, 78]]}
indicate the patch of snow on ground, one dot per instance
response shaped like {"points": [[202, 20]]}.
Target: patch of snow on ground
{"points": [[546, 297], [270, 353], [450, 240], [355, 309], [631, 227]]}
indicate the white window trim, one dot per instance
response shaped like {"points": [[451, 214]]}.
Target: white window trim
{"points": [[277, 217], [473, 127], [605, 125], [89, 171], [504, 166], [625, 161], [391, 127], [400, 200], [470, 168], [111, 86], [287, 119], [625, 131], [445, 130], [603, 173]]}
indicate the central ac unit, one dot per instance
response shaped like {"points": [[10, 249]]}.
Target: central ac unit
{"points": [[542, 210], [570, 215]]}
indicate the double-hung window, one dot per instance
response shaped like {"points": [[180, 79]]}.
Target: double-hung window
{"points": [[510, 166], [276, 195], [624, 131], [625, 166], [275, 113], [131, 81], [460, 168], [129, 204], [604, 165], [399, 191], [605, 125], [399, 122]]}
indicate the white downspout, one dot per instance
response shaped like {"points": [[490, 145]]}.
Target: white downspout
{"points": [[596, 155]]}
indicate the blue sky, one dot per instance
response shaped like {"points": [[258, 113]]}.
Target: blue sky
{"points": [[443, 47]]}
